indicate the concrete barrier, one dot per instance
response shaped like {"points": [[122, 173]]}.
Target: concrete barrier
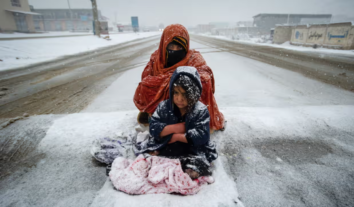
{"points": [[282, 34], [340, 35], [316, 34], [299, 35], [336, 35]]}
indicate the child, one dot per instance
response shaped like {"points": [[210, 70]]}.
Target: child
{"points": [[179, 127]]}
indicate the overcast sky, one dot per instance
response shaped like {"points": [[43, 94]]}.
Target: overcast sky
{"points": [[193, 12]]}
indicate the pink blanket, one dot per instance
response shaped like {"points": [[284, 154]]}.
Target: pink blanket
{"points": [[154, 175]]}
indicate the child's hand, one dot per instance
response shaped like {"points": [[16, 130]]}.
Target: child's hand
{"points": [[178, 138], [174, 129], [154, 153], [173, 140], [180, 128]]}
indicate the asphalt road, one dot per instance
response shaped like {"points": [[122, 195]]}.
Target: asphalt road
{"points": [[272, 164], [334, 69], [68, 85], [74, 81]]}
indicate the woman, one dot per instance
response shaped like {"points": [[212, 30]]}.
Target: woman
{"points": [[173, 52]]}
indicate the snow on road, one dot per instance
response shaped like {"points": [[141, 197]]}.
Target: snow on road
{"points": [[46, 34], [245, 82], [17, 53], [265, 106], [288, 142], [290, 138]]}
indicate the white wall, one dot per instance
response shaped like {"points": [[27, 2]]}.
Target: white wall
{"points": [[339, 36]]}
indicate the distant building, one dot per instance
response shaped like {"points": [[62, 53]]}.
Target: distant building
{"points": [[244, 24], [219, 24], [265, 22], [342, 18], [16, 16], [150, 28], [203, 28], [65, 19], [124, 27]]}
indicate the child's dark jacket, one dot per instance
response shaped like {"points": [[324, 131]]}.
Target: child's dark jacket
{"points": [[196, 123]]}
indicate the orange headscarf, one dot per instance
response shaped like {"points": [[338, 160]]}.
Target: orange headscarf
{"points": [[154, 85]]}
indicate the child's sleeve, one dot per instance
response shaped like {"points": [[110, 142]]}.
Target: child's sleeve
{"points": [[156, 123], [199, 132]]}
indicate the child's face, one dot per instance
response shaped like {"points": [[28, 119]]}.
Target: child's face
{"points": [[179, 97]]}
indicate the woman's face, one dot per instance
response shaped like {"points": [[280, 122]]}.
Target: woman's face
{"points": [[174, 47]]}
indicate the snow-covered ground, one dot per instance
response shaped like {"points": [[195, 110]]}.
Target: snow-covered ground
{"points": [[17, 53], [51, 34], [286, 45], [45, 34], [288, 142]]}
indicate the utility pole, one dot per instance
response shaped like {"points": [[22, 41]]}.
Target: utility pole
{"points": [[288, 19], [71, 16], [95, 18], [115, 20]]}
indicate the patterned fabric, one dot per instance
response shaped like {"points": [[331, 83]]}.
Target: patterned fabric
{"points": [[153, 175], [107, 149], [154, 85], [181, 41], [199, 161]]}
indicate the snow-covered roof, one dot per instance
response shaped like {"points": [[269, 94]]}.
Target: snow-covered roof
{"points": [[309, 25], [305, 15], [23, 12]]}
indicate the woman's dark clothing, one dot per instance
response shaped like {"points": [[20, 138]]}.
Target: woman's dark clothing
{"points": [[174, 57]]}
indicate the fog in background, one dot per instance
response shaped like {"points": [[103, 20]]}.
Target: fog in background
{"points": [[193, 12]]}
